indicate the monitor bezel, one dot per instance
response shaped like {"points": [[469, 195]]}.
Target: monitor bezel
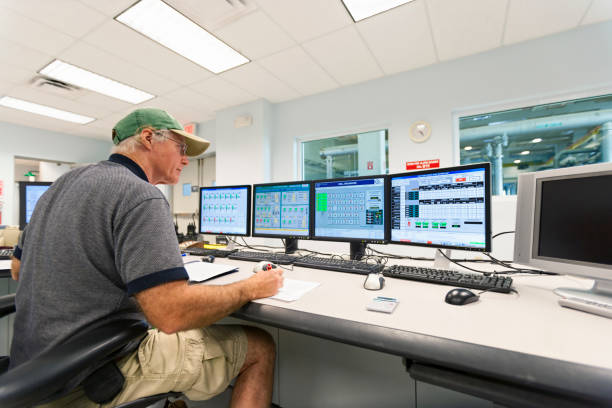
{"points": [[248, 220], [22, 199], [527, 223], [344, 239], [487, 168], [283, 236]]}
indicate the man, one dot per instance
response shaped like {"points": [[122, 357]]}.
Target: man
{"points": [[101, 245]]}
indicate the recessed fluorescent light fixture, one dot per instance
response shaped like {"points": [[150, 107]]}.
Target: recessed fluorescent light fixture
{"points": [[85, 79], [160, 22], [468, 148], [360, 9], [536, 140], [525, 152], [15, 103], [517, 161]]}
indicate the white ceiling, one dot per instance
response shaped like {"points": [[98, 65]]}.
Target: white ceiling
{"points": [[296, 48]]}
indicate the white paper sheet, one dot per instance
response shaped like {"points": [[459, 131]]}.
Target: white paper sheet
{"points": [[202, 271], [294, 289], [5, 264]]}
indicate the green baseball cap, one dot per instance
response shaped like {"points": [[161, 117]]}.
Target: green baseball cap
{"points": [[160, 120]]}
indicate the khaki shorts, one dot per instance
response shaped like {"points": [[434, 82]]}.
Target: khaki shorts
{"points": [[200, 363]]}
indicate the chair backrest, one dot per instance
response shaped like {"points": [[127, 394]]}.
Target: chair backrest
{"points": [[58, 370]]}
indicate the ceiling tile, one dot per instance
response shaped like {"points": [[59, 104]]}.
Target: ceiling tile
{"points": [[110, 8], [466, 27], [5, 87], [15, 75], [122, 41], [344, 55], [600, 10], [68, 16], [307, 19], [29, 33], [260, 82], [183, 113], [89, 57], [298, 70], [224, 91], [194, 100], [254, 36], [529, 19], [103, 101], [22, 56], [35, 95], [400, 38]]}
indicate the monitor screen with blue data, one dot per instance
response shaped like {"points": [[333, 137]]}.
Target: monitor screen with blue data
{"points": [[281, 210], [29, 194], [225, 210], [351, 209], [442, 208]]}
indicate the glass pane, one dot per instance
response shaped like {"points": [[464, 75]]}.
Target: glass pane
{"points": [[346, 156], [540, 137]]}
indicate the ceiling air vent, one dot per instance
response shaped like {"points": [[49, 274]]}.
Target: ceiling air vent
{"points": [[46, 84]]}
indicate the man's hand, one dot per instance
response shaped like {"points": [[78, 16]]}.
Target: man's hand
{"points": [[15, 266], [265, 283]]}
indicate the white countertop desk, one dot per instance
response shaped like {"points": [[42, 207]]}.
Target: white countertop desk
{"points": [[510, 348]]}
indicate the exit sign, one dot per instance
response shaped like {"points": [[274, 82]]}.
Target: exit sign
{"points": [[190, 128]]}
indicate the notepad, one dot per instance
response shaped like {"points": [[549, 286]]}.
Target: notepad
{"points": [[294, 289], [203, 271], [5, 264]]}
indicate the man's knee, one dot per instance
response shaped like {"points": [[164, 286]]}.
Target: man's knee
{"points": [[261, 343]]}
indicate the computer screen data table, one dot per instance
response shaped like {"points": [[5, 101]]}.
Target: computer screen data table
{"points": [[225, 210], [281, 210], [350, 209], [449, 208]]}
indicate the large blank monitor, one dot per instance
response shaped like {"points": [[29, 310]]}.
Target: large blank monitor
{"points": [[442, 208], [225, 210], [29, 193], [351, 210], [282, 210], [564, 225]]}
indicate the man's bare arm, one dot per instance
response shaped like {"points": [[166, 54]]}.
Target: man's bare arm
{"points": [[15, 265], [177, 306]]}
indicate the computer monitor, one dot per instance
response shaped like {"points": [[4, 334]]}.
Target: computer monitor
{"points": [[29, 193], [442, 208], [351, 210], [225, 210], [282, 210], [564, 225]]}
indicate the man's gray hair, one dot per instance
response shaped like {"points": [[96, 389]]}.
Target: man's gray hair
{"points": [[129, 145]]}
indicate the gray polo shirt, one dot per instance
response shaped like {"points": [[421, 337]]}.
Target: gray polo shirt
{"points": [[99, 235]]}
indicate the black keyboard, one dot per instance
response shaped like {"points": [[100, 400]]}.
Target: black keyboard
{"points": [[6, 253], [335, 264], [493, 283], [274, 257], [217, 253]]}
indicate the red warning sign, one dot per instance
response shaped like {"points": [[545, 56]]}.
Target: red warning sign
{"points": [[423, 164]]}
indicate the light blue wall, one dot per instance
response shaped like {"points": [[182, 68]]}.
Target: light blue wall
{"points": [[23, 141]]}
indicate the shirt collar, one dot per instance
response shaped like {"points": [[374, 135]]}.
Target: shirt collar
{"points": [[130, 164]]}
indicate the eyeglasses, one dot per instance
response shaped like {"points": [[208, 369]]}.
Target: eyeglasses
{"points": [[183, 146]]}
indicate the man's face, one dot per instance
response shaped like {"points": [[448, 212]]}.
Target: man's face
{"points": [[170, 158]]}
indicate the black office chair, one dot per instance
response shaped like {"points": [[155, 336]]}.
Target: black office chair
{"points": [[59, 370]]}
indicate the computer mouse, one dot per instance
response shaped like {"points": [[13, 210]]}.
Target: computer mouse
{"points": [[460, 296], [263, 266], [374, 282], [208, 258]]}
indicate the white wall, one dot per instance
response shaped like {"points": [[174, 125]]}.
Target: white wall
{"points": [[561, 66], [16, 140]]}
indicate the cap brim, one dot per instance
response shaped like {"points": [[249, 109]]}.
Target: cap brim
{"points": [[195, 145]]}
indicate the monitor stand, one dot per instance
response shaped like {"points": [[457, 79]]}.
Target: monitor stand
{"points": [[358, 250], [440, 262], [291, 245], [601, 292]]}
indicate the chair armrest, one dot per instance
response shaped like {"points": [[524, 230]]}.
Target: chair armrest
{"points": [[7, 304], [57, 370]]}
